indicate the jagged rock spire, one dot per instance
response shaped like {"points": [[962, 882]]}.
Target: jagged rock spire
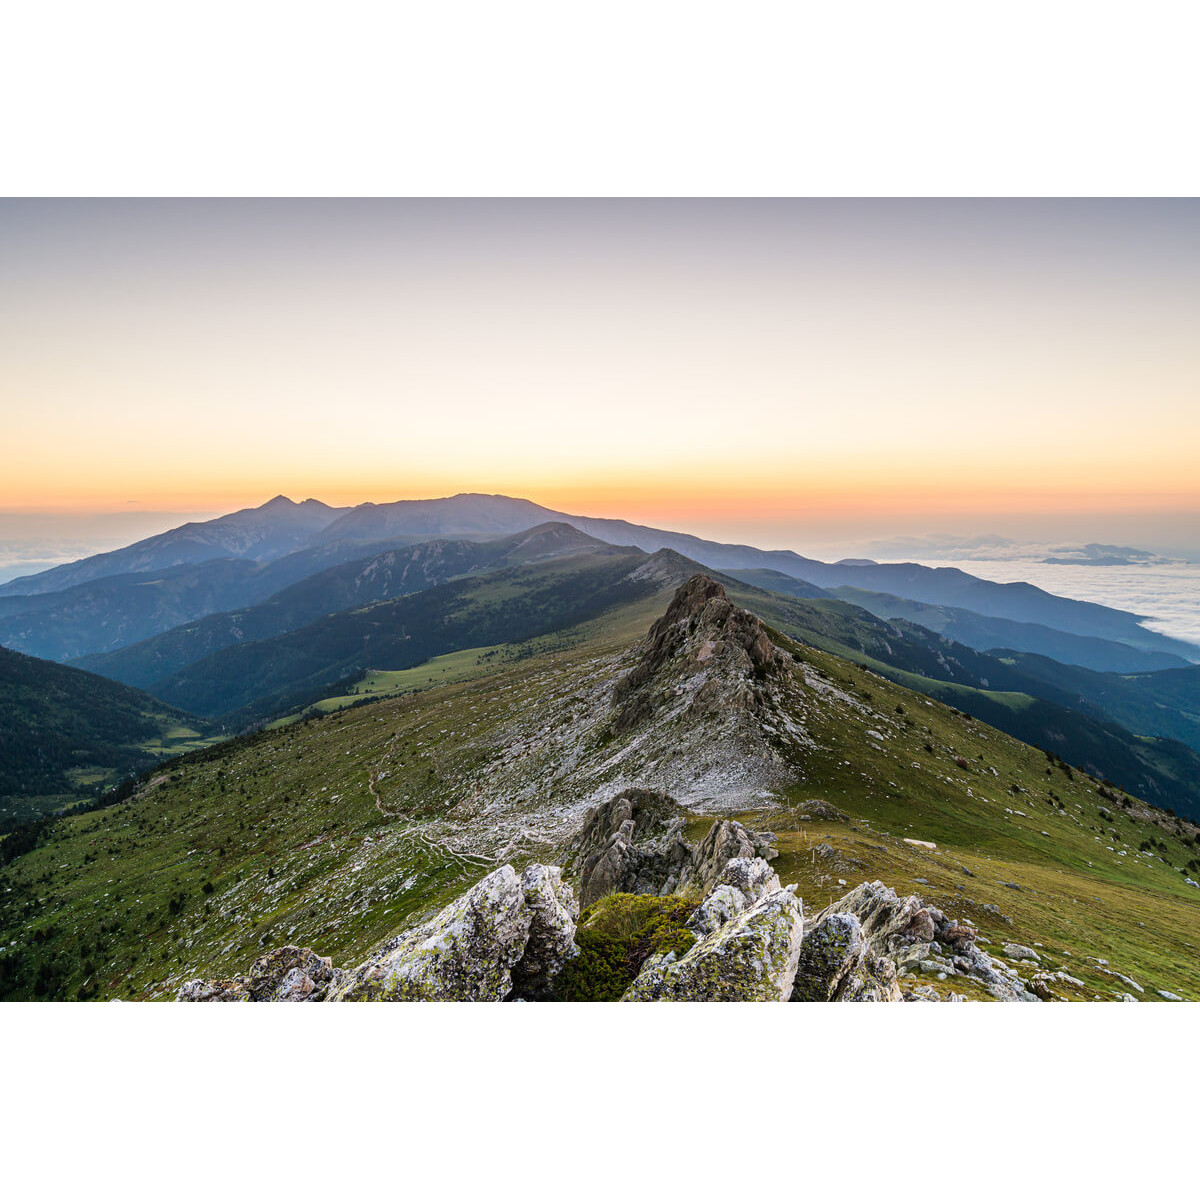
{"points": [[701, 633]]}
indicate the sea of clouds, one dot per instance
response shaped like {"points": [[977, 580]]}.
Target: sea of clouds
{"points": [[1166, 592]]}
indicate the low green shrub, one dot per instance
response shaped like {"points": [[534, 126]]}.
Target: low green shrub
{"points": [[615, 937]]}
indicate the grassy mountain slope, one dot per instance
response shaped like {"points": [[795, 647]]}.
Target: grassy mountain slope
{"points": [[68, 733], [386, 575], [1035, 709], [337, 831], [1159, 703]]}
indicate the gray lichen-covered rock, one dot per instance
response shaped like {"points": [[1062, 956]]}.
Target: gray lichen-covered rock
{"points": [[920, 939], [467, 952], [873, 981], [701, 630], [631, 843], [739, 885], [752, 957], [888, 922], [1020, 953], [724, 841], [837, 964], [507, 938], [553, 913], [215, 990], [290, 974]]}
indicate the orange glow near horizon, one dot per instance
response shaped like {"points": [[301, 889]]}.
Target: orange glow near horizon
{"points": [[675, 363], [654, 503]]}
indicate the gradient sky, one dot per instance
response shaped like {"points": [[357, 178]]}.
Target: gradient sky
{"points": [[741, 368]]}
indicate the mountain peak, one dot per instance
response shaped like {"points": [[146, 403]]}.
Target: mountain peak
{"points": [[703, 648], [692, 597]]}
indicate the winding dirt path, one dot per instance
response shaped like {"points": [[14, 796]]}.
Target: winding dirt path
{"points": [[413, 827]]}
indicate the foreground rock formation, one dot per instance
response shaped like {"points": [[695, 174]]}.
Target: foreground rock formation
{"points": [[504, 939], [634, 843], [863, 942], [744, 936]]}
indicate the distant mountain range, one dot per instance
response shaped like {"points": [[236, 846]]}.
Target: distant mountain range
{"points": [[989, 633], [258, 534], [384, 576], [280, 529], [242, 683], [273, 608]]}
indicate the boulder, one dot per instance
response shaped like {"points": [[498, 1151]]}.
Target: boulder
{"points": [[888, 922], [739, 885], [820, 810], [752, 957], [291, 974], [551, 944], [466, 952], [631, 843], [724, 841], [837, 964], [215, 990], [957, 937], [1019, 953]]}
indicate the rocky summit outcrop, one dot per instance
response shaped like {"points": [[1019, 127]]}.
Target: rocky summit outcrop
{"points": [[751, 957], [631, 843], [703, 648], [918, 939]]}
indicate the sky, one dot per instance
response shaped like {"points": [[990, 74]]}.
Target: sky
{"points": [[793, 373]]}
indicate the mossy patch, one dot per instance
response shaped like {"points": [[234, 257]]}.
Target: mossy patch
{"points": [[616, 935]]}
